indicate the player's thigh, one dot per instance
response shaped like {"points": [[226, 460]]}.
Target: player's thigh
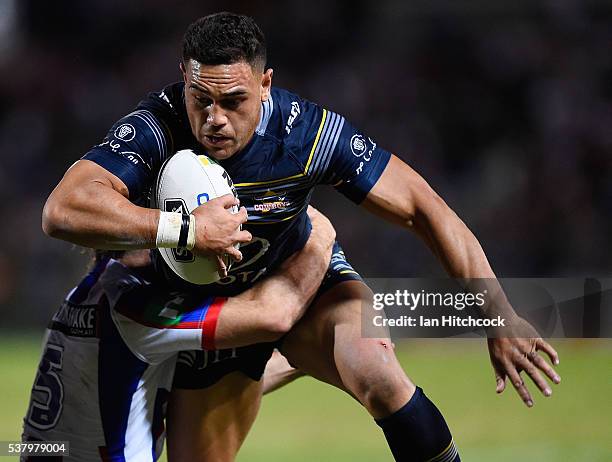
{"points": [[328, 344], [310, 345], [210, 424], [335, 315]]}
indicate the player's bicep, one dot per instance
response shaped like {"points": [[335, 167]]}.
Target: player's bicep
{"points": [[85, 173], [402, 196], [84, 184]]}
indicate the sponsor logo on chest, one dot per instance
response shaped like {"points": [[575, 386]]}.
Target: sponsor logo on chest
{"points": [[77, 320], [271, 201]]}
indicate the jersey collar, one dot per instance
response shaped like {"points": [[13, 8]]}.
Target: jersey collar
{"points": [[267, 107]]}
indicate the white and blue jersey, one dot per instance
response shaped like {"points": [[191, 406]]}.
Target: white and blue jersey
{"points": [[107, 365], [296, 146], [94, 390]]}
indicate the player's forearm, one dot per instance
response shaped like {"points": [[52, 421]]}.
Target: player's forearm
{"points": [[403, 197], [460, 253], [451, 241], [271, 308], [95, 215]]}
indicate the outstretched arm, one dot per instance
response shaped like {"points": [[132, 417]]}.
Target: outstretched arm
{"points": [[403, 197]]}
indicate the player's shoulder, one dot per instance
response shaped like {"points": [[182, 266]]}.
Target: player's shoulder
{"points": [[158, 122], [290, 114], [164, 111], [304, 127], [137, 144], [295, 120], [166, 104]]}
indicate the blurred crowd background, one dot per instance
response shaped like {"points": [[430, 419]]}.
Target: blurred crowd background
{"points": [[504, 106]]}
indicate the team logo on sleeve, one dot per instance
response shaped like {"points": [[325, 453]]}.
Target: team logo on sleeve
{"points": [[125, 132], [365, 152], [358, 145]]}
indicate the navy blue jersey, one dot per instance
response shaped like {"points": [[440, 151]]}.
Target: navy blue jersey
{"points": [[296, 146]]}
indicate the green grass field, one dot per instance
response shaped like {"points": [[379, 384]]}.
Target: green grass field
{"points": [[308, 421]]}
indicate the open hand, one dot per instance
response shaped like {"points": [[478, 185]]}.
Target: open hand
{"points": [[510, 356]]}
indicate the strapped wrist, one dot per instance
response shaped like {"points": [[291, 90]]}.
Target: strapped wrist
{"points": [[175, 230], [191, 233]]}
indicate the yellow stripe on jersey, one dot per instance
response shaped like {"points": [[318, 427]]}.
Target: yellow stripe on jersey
{"points": [[298, 175], [316, 141], [240, 185]]}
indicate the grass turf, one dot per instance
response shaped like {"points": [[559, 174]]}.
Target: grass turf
{"points": [[308, 420]]}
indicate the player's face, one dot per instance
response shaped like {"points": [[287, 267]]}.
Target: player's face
{"points": [[223, 104]]}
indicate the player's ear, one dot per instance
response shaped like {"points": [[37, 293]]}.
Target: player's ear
{"points": [[266, 84], [183, 71]]}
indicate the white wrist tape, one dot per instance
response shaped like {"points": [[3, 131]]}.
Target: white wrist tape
{"points": [[191, 235], [169, 230]]}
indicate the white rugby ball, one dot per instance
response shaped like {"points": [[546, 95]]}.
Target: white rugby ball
{"points": [[186, 181]]}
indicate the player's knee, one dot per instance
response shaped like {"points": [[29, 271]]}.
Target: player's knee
{"points": [[380, 389], [384, 397]]}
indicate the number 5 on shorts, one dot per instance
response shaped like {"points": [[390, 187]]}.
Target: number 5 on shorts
{"points": [[45, 413]]}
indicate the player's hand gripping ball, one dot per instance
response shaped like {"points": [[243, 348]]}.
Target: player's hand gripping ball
{"points": [[186, 181]]}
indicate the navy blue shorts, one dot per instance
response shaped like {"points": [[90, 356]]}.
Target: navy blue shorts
{"points": [[201, 369]]}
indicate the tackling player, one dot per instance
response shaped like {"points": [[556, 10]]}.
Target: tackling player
{"points": [[104, 378], [276, 147]]}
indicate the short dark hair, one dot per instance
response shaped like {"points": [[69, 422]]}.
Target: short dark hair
{"points": [[225, 38]]}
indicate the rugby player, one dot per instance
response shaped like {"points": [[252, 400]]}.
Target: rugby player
{"points": [[276, 147]]}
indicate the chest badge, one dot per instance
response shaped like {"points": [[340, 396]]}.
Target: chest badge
{"points": [[270, 201]]}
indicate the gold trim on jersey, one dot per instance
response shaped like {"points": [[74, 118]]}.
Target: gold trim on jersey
{"points": [[298, 175]]}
